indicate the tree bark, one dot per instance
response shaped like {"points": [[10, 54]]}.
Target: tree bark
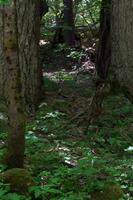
{"points": [[28, 24], [43, 7], [3, 68], [104, 48], [20, 71], [103, 61], [115, 52], [69, 32], [16, 120], [122, 45]]}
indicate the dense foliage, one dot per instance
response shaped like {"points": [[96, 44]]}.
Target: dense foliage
{"points": [[83, 20]]}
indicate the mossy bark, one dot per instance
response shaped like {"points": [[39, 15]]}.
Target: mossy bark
{"points": [[16, 119], [21, 82], [19, 179]]}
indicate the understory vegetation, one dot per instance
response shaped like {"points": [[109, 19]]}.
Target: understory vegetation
{"points": [[63, 157], [66, 100]]}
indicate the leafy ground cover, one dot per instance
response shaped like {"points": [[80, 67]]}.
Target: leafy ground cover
{"points": [[70, 161]]}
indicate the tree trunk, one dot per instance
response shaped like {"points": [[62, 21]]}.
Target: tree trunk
{"points": [[28, 24], [104, 48], [103, 61], [3, 69], [69, 32], [43, 7], [122, 45], [20, 70], [16, 119], [115, 51]]}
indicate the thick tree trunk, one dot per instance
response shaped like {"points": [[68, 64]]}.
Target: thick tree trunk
{"points": [[28, 24], [20, 70], [122, 45], [16, 119], [69, 33], [115, 51]]}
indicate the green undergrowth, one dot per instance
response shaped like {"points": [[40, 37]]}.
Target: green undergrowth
{"points": [[71, 162]]}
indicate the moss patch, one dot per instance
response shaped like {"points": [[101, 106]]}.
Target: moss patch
{"points": [[110, 192], [19, 180]]}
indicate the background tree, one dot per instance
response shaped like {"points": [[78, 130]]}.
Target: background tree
{"points": [[104, 47], [103, 60], [69, 25], [86, 23]]}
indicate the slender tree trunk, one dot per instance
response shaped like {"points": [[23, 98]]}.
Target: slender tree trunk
{"points": [[104, 48], [16, 123], [43, 7], [103, 61], [69, 32]]}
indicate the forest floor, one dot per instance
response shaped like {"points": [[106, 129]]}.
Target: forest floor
{"points": [[69, 159]]}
